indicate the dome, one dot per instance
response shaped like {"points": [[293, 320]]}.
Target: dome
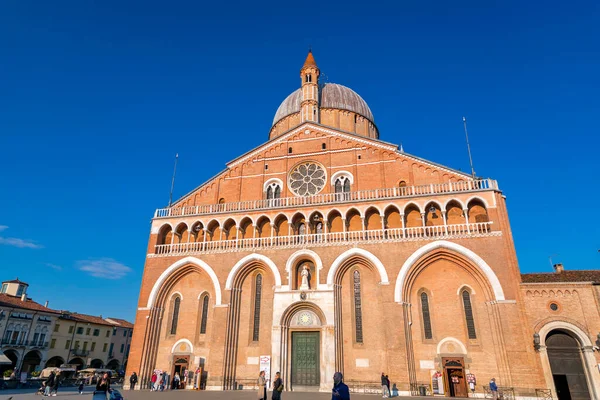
{"points": [[332, 96]]}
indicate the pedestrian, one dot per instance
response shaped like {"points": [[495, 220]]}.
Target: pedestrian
{"points": [[387, 383], [494, 388], [153, 382], [103, 384], [262, 386], [340, 390], [277, 387], [163, 381], [133, 381], [81, 388], [49, 384], [385, 393], [54, 389], [177, 379]]}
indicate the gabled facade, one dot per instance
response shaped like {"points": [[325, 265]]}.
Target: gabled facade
{"points": [[327, 249]]}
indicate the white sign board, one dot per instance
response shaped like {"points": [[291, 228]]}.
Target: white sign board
{"points": [[426, 364], [265, 365]]}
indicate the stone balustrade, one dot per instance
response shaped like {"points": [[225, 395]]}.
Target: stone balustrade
{"points": [[479, 229]]}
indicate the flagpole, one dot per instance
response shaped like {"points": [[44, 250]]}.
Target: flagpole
{"points": [[173, 180], [469, 149]]}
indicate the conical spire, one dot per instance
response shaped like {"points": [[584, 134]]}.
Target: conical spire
{"points": [[310, 60]]}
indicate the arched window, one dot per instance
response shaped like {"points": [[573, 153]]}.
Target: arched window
{"points": [[204, 314], [273, 191], [257, 299], [426, 317], [357, 308], [175, 316], [342, 185], [466, 297]]}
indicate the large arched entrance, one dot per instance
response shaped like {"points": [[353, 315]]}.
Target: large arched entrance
{"points": [[96, 363], [305, 361], [568, 371], [55, 362], [113, 364], [12, 356], [31, 360], [78, 362]]}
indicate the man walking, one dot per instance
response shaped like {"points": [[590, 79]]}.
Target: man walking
{"points": [[384, 387], [340, 390], [494, 388]]}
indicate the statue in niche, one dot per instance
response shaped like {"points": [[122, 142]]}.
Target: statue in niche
{"points": [[305, 277]]}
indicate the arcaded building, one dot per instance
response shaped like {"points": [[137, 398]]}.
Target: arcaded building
{"points": [[327, 249]]}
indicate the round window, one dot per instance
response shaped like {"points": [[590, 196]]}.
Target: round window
{"points": [[307, 179], [554, 306]]}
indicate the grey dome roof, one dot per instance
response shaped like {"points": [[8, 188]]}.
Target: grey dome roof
{"points": [[332, 96]]}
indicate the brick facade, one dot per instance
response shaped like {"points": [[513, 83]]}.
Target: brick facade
{"points": [[408, 226]]}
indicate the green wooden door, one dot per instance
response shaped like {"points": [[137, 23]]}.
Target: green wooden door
{"points": [[305, 359]]}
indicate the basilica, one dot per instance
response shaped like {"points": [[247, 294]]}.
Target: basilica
{"points": [[328, 249]]}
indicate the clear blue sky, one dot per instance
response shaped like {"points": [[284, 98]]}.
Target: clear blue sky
{"points": [[96, 97]]}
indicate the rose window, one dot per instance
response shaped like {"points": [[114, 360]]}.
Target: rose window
{"points": [[307, 179]]}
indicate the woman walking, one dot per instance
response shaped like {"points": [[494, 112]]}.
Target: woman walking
{"points": [[132, 381], [102, 387], [262, 386], [277, 387]]}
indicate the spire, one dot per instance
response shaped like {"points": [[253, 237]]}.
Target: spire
{"points": [[310, 60]]}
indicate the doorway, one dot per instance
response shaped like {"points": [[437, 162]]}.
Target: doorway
{"points": [[305, 360], [180, 366], [568, 373], [455, 384]]}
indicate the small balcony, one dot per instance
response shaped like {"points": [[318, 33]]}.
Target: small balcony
{"points": [[423, 233], [80, 352], [332, 198], [39, 345]]}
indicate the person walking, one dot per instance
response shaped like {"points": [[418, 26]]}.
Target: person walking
{"points": [[494, 388], [103, 385], [176, 380], [387, 383], [49, 384], [340, 390], [262, 386], [277, 387], [54, 390], [133, 381], [153, 382], [385, 393], [163, 381]]}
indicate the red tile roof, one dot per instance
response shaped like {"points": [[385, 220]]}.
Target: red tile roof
{"points": [[7, 300], [90, 319], [565, 276], [122, 322]]}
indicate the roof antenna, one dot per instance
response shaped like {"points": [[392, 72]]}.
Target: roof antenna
{"points": [[469, 149], [173, 180], [401, 148]]}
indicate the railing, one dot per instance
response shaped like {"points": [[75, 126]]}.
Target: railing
{"points": [[80, 352], [504, 393], [41, 345], [545, 394], [328, 198], [333, 238], [14, 342]]}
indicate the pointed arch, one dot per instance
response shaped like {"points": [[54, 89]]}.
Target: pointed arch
{"points": [[356, 252], [442, 244], [248, 259], [174, 267]]}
